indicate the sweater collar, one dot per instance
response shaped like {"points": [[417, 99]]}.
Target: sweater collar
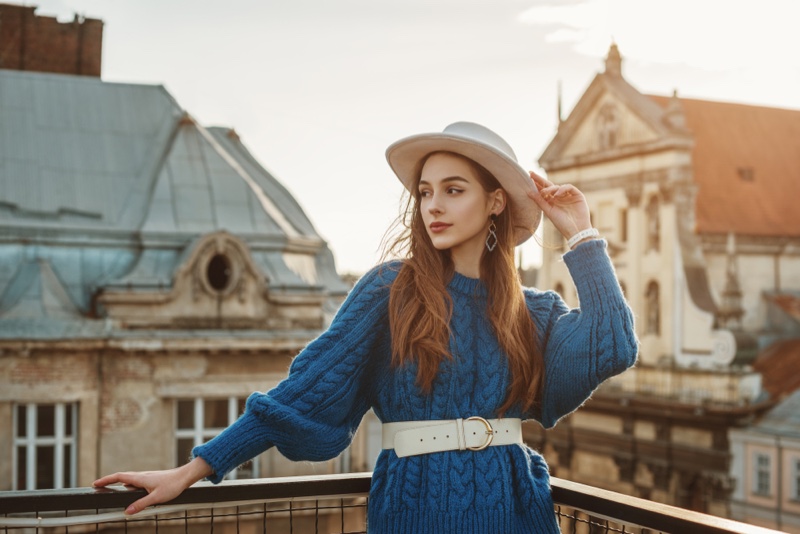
{"points": [[467, 286]]}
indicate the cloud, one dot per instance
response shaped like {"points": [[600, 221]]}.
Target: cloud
{"points": [[706, 34]]}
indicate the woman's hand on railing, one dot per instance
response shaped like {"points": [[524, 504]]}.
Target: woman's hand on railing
{"points": [[161, 486]]}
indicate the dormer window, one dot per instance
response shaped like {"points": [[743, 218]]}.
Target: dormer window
{"points": [[218, 272]]}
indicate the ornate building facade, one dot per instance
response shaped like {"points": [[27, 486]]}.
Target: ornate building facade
{"points": [[152, 275], [696, 201]]}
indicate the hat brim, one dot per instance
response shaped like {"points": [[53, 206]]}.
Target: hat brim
{"points": [[406, 156]]}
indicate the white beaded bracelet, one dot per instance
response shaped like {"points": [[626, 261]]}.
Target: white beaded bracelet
{"points": [[580, 236]]}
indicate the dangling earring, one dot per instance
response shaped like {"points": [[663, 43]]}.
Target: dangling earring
{"points": [[491, 239]]}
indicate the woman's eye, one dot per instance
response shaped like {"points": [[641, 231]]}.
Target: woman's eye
{"points": [[453, 190], [424, 193]]}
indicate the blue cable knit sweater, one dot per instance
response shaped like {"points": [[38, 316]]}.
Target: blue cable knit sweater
{"points": [[313, 413]]}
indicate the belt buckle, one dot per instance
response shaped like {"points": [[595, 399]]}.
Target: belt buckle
{"points": [[489, 432]]}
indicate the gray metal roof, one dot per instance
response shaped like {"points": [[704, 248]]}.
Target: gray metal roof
{"points": [[109, 184], [77, 151], [783, 419]]}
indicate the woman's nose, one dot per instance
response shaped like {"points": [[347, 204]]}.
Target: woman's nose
{"points": [[433, 205]]}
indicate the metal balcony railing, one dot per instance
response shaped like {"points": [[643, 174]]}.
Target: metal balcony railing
{"points": [[320, 504]]}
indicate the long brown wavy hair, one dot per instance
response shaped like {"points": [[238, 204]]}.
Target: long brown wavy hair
{"points": [[420, 307]]}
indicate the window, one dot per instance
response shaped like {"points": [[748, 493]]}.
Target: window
{"points": [[653, 225], [199, 420], [653, 309], [45, 446], [623, 225], [761, 479], [796, 480]]}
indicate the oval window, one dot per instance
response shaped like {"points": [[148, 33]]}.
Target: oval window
{"points": [[218, 272]]}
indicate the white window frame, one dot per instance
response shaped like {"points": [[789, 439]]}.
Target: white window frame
{"points": [[762, 474], [31, 442], [199, 434]]}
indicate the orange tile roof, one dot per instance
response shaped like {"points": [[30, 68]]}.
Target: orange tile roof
{"points": [[778, 365], [729, 140], [790, 304]]}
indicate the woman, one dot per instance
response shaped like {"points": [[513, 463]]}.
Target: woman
{"points": [[448, 349]]}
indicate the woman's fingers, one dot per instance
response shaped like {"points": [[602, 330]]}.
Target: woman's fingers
{"points": [[115, 478], [129, 480], [141, 504], [539, 180], [551, 192]]}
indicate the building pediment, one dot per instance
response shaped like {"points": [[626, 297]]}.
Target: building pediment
{"points": [[614, 120], [216, 285]]}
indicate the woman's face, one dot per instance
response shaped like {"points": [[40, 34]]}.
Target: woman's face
{"points": [[455, 207]]}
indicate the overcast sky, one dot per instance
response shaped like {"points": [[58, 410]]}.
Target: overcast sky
{"points": [[317, 89]]}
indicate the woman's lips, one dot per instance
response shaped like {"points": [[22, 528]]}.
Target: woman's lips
{"points": [[437, 227]]}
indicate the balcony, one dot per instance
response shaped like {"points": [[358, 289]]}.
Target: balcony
{"points": [[320, 504]]}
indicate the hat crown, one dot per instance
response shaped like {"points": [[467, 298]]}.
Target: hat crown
{"points": [[477, 143], [480, 134]]}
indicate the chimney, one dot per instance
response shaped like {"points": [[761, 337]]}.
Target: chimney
{"points": [[43, 44]]}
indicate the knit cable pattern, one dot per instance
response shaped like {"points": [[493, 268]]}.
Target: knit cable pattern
{"points": [[313, 413]]}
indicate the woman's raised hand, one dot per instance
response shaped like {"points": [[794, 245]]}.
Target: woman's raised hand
{"points": [[161, 486], [563, 204]]}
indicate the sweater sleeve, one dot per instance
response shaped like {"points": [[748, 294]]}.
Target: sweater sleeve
{"points": [[584, 346], [313, 413]]}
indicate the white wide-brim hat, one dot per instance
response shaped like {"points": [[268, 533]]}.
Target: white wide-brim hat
{"points": [[482, 146]]}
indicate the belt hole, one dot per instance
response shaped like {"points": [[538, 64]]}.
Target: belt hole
{"points": [[434, 437], [448, 435], [421, 439]]}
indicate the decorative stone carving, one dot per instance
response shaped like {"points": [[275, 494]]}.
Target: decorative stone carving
{"points": [[723, 349], [217, 285], [730, 311], [666, 191], [218, 265], [633, 190], [608, 127], [673, 114]]}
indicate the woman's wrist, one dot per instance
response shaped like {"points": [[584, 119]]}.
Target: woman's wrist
{"points": [[581, 236], [196, 470]]}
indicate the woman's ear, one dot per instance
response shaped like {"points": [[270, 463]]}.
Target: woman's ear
{"points": [[497, 200]]}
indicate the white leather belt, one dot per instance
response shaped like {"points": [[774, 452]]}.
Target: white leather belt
{"points": [[410, 438]]}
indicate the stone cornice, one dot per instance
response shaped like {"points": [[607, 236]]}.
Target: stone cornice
{"points": [[631, 183], [628, 151], [751, 244], [157, 342]]}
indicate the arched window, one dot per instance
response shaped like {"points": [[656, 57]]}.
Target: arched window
{"points": [[653, 225], [652, 309]]}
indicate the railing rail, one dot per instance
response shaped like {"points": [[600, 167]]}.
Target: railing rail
{"points": [[595, 502]]}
